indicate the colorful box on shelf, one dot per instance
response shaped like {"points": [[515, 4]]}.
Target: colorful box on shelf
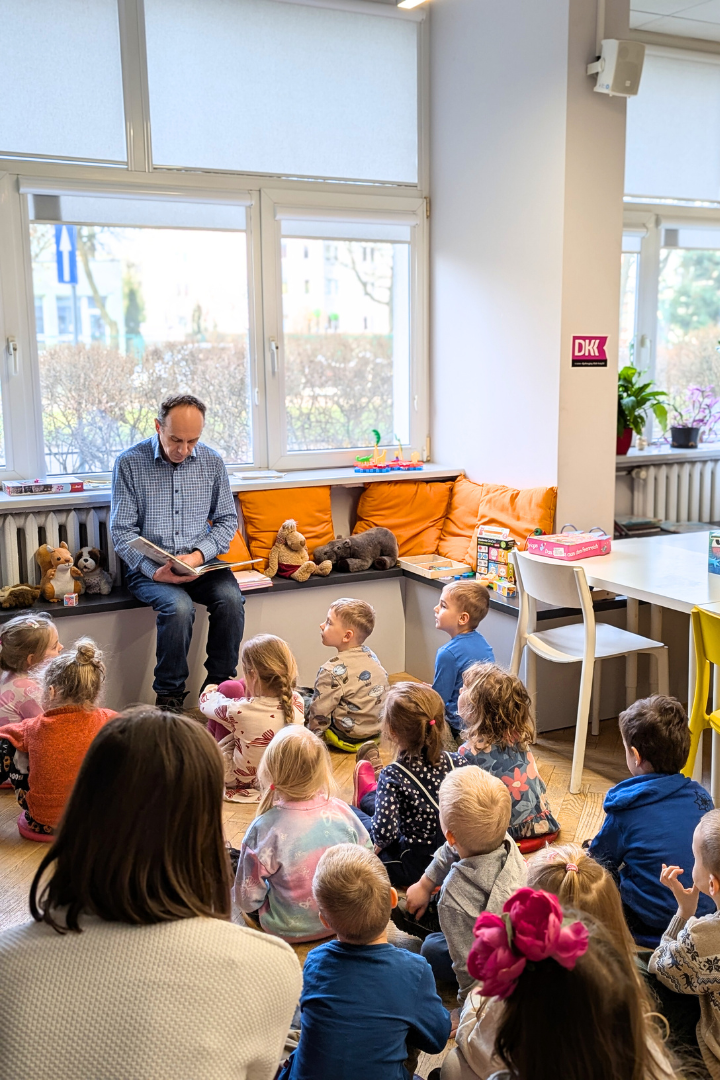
{"points": [[494, 568], [43, 487], [570, 546], [714, 552], [434, 566]]}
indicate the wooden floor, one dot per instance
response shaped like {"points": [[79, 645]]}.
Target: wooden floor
{"points": [[580, 816]]}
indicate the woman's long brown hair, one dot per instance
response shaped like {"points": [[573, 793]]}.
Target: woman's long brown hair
{"points": [[141, 839]]}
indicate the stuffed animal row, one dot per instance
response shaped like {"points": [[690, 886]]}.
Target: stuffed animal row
{"points": [[374, 549], [61, 575]]}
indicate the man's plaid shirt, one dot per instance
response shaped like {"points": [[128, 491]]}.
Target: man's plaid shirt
{"points": [[171, 505]]}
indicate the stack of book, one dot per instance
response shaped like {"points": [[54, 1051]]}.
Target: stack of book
{"points": [[250, 580]]}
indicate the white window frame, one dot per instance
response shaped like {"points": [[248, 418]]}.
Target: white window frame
{"points": [[139, 178]]}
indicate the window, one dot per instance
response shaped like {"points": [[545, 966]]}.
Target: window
{"points": [[153, 249], [346, 337], [628, 299], [62, 78], [689, 310], [289, 89], [153, 310], [673, 127]]}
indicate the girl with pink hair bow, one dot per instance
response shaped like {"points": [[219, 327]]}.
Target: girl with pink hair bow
{"points": [[556, 1000]]}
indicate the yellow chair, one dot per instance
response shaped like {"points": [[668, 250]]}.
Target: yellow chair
{"points": [[706, 634]]}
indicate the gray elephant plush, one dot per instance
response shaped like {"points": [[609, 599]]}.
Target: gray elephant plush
{"points": [[375, 549]]}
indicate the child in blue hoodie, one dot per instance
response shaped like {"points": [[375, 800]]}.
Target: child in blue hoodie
{"points": [[652, 816]]}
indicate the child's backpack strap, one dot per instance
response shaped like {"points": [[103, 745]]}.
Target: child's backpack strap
{"points": [[419, 783]]}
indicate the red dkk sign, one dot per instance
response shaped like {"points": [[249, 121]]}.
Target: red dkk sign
{"points": [[588, 350]]}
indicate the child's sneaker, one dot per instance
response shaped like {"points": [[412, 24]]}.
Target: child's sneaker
{"points": [[363, 781], [368, 751]]}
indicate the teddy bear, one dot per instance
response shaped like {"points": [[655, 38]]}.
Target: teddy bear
{"points": [[375, 549], [14, 596], [59, 576], [289, 556], [92, 563]]}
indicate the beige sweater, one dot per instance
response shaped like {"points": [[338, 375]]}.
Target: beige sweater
{"points": [[196, 999], [688, 961], [349, 692]]}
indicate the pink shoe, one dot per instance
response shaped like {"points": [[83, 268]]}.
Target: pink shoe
{"points": [[363, 780], [30, 834]]}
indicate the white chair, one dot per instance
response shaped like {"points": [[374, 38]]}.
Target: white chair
{"points": [[566, 586]]}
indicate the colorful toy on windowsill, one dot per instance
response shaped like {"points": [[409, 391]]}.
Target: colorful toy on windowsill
{"points": [[377, 463], [494, 568]]}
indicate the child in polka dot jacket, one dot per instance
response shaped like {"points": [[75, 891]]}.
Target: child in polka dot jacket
{"points": [[400, 808]]}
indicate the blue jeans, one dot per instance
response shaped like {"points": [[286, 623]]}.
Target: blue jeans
{"points": [[175, 607], [436, 952]]}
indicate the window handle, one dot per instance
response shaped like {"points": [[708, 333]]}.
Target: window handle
{"points": [[273, 356], [13, 353]]}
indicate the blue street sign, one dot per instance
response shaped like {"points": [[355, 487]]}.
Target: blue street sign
{"points": [[66, 254]]}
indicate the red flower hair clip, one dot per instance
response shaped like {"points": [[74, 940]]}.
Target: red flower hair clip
{"points": [[530, 928]]}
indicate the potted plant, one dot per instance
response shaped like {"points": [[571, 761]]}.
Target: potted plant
{"points": [[636, 399], [695, 414]]}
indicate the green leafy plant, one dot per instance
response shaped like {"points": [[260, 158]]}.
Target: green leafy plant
{"points": [[636, 399]]}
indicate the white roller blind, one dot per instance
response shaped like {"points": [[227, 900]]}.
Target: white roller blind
{"points": [[283, 88], [673, 129], [61, 79], [173, 213]]}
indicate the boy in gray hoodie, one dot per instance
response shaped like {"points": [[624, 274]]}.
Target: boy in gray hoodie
{"points": [[476, 870]]}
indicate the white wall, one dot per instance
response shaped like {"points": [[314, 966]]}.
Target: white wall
{"points": [[498, 78], [526, 189]]}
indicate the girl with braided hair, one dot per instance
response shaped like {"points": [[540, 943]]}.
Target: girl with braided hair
{"points": [[400, 808], [244, 714]]}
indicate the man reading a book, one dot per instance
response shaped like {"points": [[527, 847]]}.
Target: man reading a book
{"points": [[174, 491]]}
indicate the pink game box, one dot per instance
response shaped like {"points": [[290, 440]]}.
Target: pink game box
{"points": [[569, 546]]}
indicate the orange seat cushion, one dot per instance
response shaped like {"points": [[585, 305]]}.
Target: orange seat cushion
{"points": [[413, 510], [264, 512], [518, 509], [238, 551], [461, 519]]}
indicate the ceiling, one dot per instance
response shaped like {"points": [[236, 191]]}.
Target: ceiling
{"points": [[681, 18]]}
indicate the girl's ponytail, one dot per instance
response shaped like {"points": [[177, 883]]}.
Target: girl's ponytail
{"points": [[414, 717], [273, 663], [76, 676]]}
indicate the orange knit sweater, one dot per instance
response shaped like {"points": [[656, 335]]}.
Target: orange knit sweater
{"points": [[56, 743]]}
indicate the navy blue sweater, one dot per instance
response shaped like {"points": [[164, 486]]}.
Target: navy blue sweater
{"points": [[650, 821]]}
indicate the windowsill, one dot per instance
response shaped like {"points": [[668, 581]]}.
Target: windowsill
{"points": [[665, 455], [120, 599], [342, 477]]}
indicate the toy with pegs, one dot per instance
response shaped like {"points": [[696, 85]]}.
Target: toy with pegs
{"points": [[377, 463]]}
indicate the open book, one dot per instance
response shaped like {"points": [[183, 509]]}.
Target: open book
{"points": [[158, 555]]}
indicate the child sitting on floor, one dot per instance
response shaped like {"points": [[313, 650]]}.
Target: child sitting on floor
{"points": [[652, 815], [400, 808], [57, 740], [565, 1000], [688, 957], [477, 869], [350, 687], [401, 1010], [461, 608], [26, 642], [253, 710], [296, 821], [499, 727]]}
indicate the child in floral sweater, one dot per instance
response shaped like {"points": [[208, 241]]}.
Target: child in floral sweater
{"points": [[26, 642], [499, 727], [297, 821]]}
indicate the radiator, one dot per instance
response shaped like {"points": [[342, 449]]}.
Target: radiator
{"points": [[686, 491], [21, 534]]}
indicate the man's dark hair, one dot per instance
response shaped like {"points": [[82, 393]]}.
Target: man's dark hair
{"points": [[657, 727], [176, 400]]}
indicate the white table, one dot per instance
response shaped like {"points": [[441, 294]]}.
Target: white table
{"points": [[668, 571]]}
